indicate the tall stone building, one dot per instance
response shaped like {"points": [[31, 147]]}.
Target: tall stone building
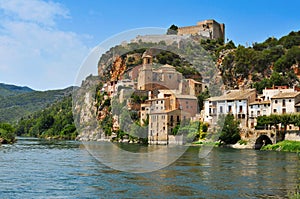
{"points": [[164, 77], [208, 28]]}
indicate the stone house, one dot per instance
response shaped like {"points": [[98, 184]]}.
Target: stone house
{"points": [[234, 102], [165, 112], [190, 87], [285, 103]]}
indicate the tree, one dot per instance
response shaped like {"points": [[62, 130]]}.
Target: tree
{"points": [[201, 97], [172, 30], [7, 135], [230, 132]]}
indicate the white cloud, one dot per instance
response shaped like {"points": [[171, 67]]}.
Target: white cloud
{"points": [[34, 11], [34, 52]]}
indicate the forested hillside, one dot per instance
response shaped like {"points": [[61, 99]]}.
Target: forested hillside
{"points": [[11, 90], [55, 121], [15, 106], [274, 62]]}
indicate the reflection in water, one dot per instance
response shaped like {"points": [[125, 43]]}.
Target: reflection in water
{"points": [[40, 169]]}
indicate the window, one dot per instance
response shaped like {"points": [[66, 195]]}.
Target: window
{"points": [[276, 101], [258, 113], [221, 109], [241, 109], [229, 109], [283, 103], [274, 110], [290, 100], [283, 110]]}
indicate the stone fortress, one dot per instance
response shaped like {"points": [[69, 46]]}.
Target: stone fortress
{"points": [[208, 28]]}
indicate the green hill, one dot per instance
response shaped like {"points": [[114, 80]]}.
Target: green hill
{"points": [[14, 106], [12, 90], [55, 121]]}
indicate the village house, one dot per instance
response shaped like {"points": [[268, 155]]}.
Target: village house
{"points": [[283, 103], [234, 102], [258, 108], [190, 87], [263, 106], [165, 112]]}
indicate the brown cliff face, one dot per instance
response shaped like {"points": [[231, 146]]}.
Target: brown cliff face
{"points": [[118, 69]]}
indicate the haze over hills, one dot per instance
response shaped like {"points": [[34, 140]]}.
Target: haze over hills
{"points": [[17, 102]]}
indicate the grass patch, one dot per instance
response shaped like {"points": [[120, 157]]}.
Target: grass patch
{"points": [[286, 145]]}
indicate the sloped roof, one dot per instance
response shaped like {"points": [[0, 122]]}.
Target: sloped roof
{"points": [[286, 95], [260, 102], [234, 95]]}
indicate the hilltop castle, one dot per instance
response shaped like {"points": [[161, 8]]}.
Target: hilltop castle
{"points": [[208, 28]]}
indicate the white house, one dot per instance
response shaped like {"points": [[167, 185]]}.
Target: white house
{"points": [[258, 108], [285, 103], [233, 101]]}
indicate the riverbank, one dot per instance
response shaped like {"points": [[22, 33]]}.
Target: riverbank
{"points": [[286, 145], [238, 145]]}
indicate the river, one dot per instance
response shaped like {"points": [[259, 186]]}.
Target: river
{"points": [[33, 168]]}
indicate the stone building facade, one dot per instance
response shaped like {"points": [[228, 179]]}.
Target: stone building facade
{"points": [[164, 77], [208, 28]]}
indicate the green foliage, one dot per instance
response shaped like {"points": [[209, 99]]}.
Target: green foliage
{"points": [[14, 107], [56, 121], [7, 135], [276, 79], [274, 119], [261, 60], [230, 132], [286, 145], [172, 30], [202, 97]]}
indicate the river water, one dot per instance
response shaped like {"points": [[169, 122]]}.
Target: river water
{"points": [[34, 168]]}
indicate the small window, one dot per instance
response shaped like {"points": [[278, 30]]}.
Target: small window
{"points": [[241, 109], [290, 100], [276, 101], [274, 110]]}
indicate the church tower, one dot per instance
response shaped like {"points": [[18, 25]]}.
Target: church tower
{"points": [[145, 77]]}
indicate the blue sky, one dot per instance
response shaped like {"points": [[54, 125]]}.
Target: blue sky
{"points": [[43, 43]]}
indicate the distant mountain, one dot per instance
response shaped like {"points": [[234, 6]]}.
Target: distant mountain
{"points": [[17, 102], [11, 90]]}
